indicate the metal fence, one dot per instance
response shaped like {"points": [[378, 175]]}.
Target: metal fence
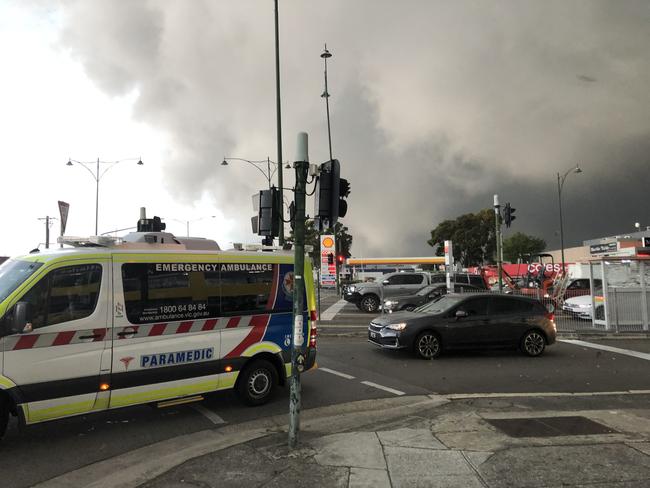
{"points": [[618, 310]]}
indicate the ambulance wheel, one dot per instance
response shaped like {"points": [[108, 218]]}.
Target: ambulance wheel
{"points": [[4, 416], [257, 382]]}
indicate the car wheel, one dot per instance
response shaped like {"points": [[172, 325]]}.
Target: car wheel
{"points": [[427, 345], [370, 303], [409, 308], [257, 382], [533, 343], [4, 416]]}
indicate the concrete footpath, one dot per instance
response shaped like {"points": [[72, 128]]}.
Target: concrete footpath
{"points": [[466, 441]]}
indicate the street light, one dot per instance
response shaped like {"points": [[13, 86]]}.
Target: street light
{"points": [[560, 184], [325, 55], [278, 111], [258, 165], [188, 222], [98, 176]]}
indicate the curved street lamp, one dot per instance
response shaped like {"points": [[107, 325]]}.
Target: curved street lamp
{"points": [[188, 222], [97, 175], [560, 184], [258, 165], [325, 56]]}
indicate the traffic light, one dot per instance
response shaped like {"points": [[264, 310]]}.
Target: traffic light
{"points": [[340, 258], [344, 192], [330, 258], [331, 190], [268, 213], [508, 214]]}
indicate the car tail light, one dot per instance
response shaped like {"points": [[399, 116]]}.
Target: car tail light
{"points": [[550, 316], [313, 333]]}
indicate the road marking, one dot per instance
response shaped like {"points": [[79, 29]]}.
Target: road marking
{"points": [[627, 352], [381, 387], [333, 310], [209, 414], [469, 396], [322, 326], [337, 373]]}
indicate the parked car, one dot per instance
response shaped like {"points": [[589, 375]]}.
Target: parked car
{"points": [[458, 321], [368, 296], [462, 278], [577, 287], [425, 295], [581, 307]]}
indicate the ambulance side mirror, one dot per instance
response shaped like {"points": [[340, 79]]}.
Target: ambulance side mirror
{"points": [[22, 317]]}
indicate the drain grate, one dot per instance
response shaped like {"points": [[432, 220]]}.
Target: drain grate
{"points": [[550, 426]]}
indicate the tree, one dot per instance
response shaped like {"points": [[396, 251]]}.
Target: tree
{"points": [[520, 244], [312, 238], [472, 236]]}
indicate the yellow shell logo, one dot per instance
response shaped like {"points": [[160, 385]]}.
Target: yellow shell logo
{"points": [[328, 242]]}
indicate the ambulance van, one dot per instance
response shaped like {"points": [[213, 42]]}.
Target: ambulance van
{"points": [[150, 318]]}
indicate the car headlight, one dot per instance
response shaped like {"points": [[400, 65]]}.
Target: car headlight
{"points": [[400, 326], [390, 303], [584, 305], [352, 288]]}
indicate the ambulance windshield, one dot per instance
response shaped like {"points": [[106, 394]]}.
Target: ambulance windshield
{"points": [[13, 273]]}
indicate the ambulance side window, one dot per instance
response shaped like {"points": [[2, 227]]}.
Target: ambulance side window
{"points": [[246, 292], [37, 298], [153, 295], [65, 294]]}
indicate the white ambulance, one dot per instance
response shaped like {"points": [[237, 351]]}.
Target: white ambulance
{"points": [[150, 318]]}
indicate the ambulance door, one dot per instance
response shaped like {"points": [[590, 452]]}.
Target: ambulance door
{"points": [[56, 360], [166, 339]]}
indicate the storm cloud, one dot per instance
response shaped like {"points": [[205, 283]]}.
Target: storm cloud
{"points": [[435, 106]]}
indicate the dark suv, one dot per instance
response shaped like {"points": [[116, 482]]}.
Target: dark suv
{"points": [[458, 321]]}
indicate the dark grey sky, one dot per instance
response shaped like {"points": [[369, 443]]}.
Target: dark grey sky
{"points": [[435, 105]]}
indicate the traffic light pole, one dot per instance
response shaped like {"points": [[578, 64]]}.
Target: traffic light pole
{"points": [[497, 219], [298, 338]]}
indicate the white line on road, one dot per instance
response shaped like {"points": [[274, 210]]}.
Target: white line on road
{"points": [[381, 387], [337, 373], [340, 326], [467, 396], [209, 414], [627, 352], [333, 310]]}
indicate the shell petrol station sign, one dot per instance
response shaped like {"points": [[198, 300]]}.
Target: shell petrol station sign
{"points": [[327, 260]]}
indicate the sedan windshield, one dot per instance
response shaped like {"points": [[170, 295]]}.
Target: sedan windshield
{"points": [[440, 305], [13, 273]]}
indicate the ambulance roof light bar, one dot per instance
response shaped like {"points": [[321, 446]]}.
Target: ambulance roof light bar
{"points": [[91, 241]]}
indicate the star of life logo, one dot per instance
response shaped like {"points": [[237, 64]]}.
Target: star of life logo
{"points": [[288, 283], [126, 361]]}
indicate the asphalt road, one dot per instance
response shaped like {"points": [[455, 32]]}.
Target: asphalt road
{"points": [[350, 369]]}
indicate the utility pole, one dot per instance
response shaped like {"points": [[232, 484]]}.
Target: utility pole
{"points": [[279, 122], [298, 336], [497, 220], [47, 220]]}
